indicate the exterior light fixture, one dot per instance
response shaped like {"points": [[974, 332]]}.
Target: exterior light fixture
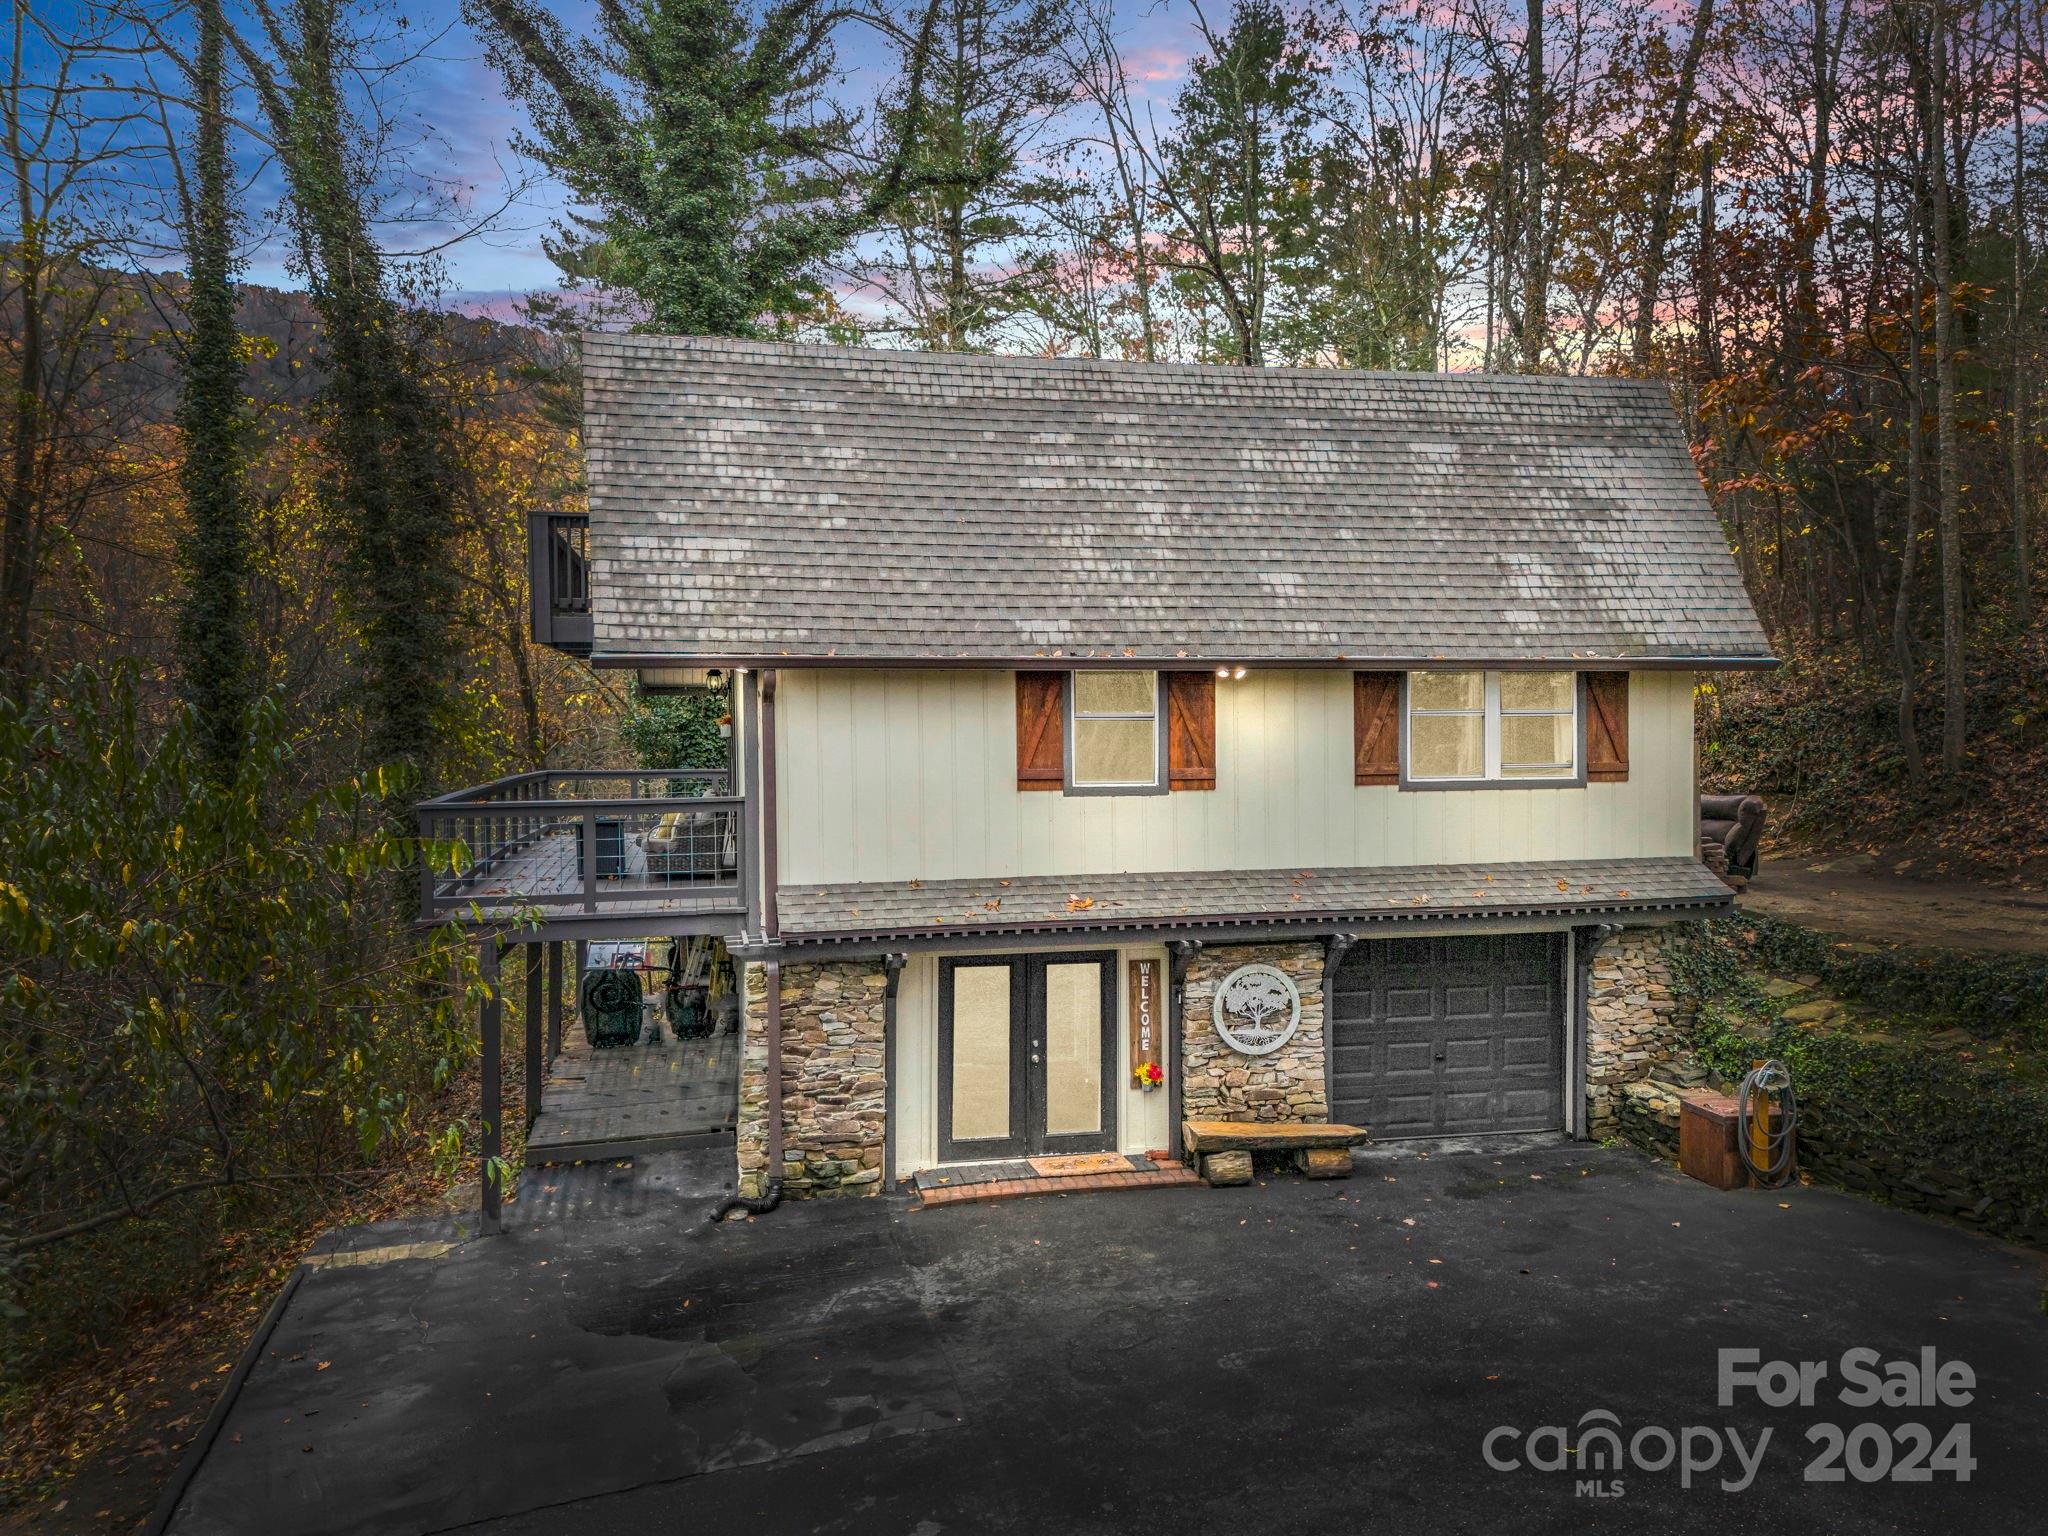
{"points": [[1238, 674], [1223, 671]]}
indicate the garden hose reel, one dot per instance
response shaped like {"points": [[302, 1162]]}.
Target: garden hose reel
{"points": [[1767, 1121]]}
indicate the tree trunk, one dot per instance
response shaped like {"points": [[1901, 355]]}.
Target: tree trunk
{"points": [[1665, 197], [1916, 453], [1948, 508], [1536, 272], [2016, 383], [18, 552], [213, 618]]}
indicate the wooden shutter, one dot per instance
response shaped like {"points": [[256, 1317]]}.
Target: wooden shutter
{"points": [[1376, 727], [1191, 730], [1606, 727], [1042, 730]]}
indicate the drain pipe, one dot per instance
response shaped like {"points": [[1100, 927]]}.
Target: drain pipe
{"points": [[892, 973], [1584, 942], [771, 1021], [1179, 953]]}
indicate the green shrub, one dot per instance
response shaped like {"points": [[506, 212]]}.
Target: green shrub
{"points": [[211, 1002], [1925, 1128]]}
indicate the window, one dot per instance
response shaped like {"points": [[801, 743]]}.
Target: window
{"points": [[1114, 743], [1492, 726]]}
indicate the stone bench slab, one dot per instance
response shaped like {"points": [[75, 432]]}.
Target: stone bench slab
{"points": [[1200, 1136]]}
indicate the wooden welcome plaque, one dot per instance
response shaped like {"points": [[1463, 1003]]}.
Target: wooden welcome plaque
{"points": [[1146, 1012]]}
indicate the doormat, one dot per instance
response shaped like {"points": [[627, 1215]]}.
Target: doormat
{"points": [[1079, 1163]]}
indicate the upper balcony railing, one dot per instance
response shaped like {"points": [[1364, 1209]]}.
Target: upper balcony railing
{"points": [[586, 841], [558, 569]]}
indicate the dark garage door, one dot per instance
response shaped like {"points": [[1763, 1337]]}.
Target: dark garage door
{"points": [[1450, 1037]]}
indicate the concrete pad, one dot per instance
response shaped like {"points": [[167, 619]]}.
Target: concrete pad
{"points": [[1283, 1357]]}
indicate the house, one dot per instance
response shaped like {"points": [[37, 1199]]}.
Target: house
{"points": [[1122, 744]]}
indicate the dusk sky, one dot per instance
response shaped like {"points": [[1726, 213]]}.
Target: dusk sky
{"points": [[458, 129]]}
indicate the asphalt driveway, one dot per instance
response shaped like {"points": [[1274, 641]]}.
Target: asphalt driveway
{"points": [[1329, 1357]]}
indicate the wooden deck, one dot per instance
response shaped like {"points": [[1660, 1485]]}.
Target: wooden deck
{"points": [[547, 873], [636, 1098]]}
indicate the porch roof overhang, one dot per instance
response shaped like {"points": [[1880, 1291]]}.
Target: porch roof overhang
{"points": [[1244, 904]]}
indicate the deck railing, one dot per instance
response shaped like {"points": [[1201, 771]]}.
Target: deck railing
{"points": [[586, 839]]}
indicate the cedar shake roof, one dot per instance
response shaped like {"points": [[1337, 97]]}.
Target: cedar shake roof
{"points": [[751, 500], [1373, 900]]}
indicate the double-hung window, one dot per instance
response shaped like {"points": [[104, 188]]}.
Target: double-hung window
{"points": [[1477, 727], [1114, 741]]}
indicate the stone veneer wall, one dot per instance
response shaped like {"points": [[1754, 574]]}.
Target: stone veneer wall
{"points": [[1219, 1084], [834, 1092], [1633, 1026]]}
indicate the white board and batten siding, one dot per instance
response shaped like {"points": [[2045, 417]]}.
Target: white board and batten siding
{"points": [[914, 1099], [890, 774]]}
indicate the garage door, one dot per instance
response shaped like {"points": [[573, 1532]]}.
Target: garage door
{"points": [[1450, 1037]]}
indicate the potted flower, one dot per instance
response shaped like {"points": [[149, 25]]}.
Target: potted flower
{"points": [[1148, 1075], [725, 727]]}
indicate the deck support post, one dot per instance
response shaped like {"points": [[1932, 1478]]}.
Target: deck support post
{"points": [[554, 1000], [493, 1105], [535, 1069]]}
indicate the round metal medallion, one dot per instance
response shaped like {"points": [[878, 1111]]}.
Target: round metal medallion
{"points": [[1258, 1008]]}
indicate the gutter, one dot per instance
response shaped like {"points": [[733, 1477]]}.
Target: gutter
{"points": [[1234, 929], [1188, 660]]}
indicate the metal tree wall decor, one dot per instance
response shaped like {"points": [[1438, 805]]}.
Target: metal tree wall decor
{"points": [[1257, 1009]]}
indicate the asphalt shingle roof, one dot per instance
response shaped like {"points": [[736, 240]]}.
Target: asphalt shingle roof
{"points": [[1368, 898], [751, 499]]}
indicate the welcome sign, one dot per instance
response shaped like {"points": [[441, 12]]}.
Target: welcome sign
{"points": [[1146, 1021]]}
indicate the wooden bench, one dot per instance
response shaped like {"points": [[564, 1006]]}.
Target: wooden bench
{"points": [[1222, 1149]]}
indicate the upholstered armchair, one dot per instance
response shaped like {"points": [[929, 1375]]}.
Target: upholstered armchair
{"points": [[1736, 823]]}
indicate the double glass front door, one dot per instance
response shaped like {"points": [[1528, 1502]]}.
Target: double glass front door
{"points": [[1026, 1055]]}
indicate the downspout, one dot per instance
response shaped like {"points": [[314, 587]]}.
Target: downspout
{"points": [[892, 970], [771, 919], [771, 1021], [1335, 947], [1584, 942], [1179, 953]]}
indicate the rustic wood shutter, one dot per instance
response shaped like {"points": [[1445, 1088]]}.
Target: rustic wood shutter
{"points": [[1606, 727], [1376, 727], [1041, 730], [1191, 730]]}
